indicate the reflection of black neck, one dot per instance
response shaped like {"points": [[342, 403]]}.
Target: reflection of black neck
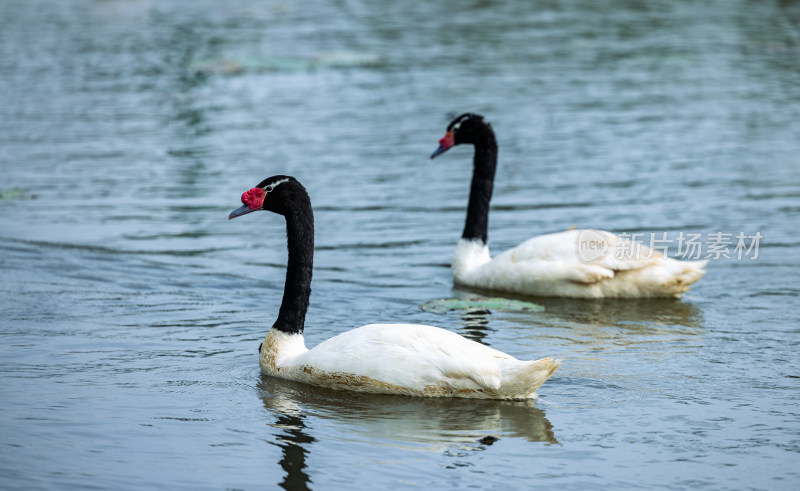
{"points": [[293, 460], [300, 241], [476, 325], [484, 165]]}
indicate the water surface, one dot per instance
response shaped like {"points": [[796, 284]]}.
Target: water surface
{"points": [[131, 309]]}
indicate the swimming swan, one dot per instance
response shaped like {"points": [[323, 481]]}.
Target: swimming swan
{"points": [[576, 263], [407, 359]]}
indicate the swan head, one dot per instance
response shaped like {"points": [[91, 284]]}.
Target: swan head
{"points": [[277, 194], [466, 128]]}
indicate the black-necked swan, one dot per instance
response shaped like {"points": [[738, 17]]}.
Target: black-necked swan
{"points": [[575, 263], [379, 358]]}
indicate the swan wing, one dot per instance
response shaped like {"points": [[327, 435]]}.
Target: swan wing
{"points": [[583, 256], [409, 355]]}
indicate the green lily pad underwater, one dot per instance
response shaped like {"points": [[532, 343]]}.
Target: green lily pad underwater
{"points": [[9, 194], [444, 305]]}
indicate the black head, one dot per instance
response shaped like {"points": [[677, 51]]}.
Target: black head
{"points": [[277, 194], [466, 128]]}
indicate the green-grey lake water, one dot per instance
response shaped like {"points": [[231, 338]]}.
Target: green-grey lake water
{"points": [[131, 309]]}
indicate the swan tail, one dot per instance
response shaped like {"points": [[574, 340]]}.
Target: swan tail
{"points": [[683, 275], [521, 380]]}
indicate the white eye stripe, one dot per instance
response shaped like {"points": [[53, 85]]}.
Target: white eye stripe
{"points": [[457, 124], [268, 189]]}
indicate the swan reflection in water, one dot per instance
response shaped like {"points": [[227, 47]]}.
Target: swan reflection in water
{"points": [[414, 423], [475, 324], [623, 313], [293, 442]]}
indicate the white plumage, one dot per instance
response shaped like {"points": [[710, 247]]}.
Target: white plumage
{"points": [[554, 265], [406, 359]]}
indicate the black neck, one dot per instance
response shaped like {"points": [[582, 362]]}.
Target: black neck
{"points": [[297, 290], [484, 165]]}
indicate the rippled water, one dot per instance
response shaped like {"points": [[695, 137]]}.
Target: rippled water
{"points": [[132, 309]]}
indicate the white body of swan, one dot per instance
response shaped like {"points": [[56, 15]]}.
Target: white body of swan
{"points": [[554, 265], [405, 359]]}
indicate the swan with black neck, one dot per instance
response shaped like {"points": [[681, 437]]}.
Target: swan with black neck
{"points": [[406, 359], [575, 263]]}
